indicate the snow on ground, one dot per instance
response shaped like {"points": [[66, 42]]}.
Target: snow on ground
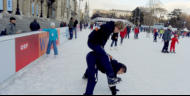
{"points": [[149, 71]]}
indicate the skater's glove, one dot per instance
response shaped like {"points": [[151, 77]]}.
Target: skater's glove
{"points": [[114, 90]]}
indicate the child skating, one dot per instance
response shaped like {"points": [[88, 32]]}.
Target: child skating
{"points": [[53, 37], [173, 43]]}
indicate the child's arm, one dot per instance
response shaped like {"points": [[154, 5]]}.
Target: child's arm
{"points": [[46, 30]]}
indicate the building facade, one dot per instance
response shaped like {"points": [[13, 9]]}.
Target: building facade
{"points": [[118, 13], [61, 10]]}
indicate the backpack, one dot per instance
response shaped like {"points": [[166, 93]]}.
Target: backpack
{"points": [[3, 32]]}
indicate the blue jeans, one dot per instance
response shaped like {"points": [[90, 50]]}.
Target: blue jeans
{"points": [[54, 47], [71, 33], [91, 73], [104, 59]]}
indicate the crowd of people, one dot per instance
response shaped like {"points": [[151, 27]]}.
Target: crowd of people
{"points": [[12, 29]]}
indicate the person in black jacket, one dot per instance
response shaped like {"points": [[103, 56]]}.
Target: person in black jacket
{"points": [[97, 40], [75, 28], [114, 39], [34, 26], [94, 64]]}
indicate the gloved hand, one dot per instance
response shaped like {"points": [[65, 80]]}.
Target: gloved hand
{"points": [[114, 90]]}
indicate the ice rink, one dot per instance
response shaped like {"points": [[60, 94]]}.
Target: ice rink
{"points": [[149, 70]]}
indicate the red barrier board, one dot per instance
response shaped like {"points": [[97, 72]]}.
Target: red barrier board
{"points": [[27, 50]]}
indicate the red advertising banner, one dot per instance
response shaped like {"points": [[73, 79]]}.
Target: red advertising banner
{"points": [[43, 43], [27, 50]]}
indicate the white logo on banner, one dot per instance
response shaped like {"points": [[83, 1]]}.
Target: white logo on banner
{"points": [[9, 5], [1, 4], [24, 46]]}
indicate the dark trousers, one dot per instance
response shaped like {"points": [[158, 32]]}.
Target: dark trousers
{"points": [[136, 36], [122, 40], [104, 59], [166, 45], [71, 33], [91, 73], [155, 38], [128, 35], [114, 41]]}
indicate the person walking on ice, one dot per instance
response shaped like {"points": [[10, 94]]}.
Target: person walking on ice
{"points": [[166, 38], [98, 39], [114, 39], [53, 37], [173, 43]]}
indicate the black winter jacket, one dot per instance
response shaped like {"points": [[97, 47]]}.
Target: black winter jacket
{"points": [[101, 36]]}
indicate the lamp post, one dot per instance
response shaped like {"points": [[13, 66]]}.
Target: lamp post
{"points": [[42, 1], [17, 10]]}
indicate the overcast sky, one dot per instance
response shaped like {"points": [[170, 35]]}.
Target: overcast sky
{"points": [[132, 4]]}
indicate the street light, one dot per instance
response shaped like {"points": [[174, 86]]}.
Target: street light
{"points": [[42, 1], [17, 10]]}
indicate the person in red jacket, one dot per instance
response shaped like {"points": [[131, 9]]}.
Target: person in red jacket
{"points": [[123, 34], [136, 32], [174, 41]]}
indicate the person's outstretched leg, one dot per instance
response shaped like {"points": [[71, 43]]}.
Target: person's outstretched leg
{"points": [[49, 47], [104, 60], [174, 49], [55, 48], [92, 75]]}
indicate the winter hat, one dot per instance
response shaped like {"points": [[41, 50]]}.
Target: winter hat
{"points": [[52, 24], [170, 27], [175, 35]]}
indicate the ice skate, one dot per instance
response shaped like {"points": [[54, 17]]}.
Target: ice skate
{"points": [[113, 81]]}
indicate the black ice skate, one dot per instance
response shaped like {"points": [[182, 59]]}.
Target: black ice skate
{"points": [[113, 81]]}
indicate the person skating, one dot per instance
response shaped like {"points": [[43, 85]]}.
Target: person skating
{"points": [[128, 31], [161, 33], [123, 34], [174, 40], [75, 28], [166, 38], [114, 39], [53, 37], [94, 64], [155, 35], [136, 30], [71, 26], [98, 39]]}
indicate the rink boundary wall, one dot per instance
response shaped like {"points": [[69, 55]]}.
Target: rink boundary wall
{"points": [[20, 50]]}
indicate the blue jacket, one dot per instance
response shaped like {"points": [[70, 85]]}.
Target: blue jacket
{"points": [[53, 34], [167, 35]]}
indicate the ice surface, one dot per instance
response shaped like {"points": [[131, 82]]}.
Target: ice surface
{"points": [[149, 71]]}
